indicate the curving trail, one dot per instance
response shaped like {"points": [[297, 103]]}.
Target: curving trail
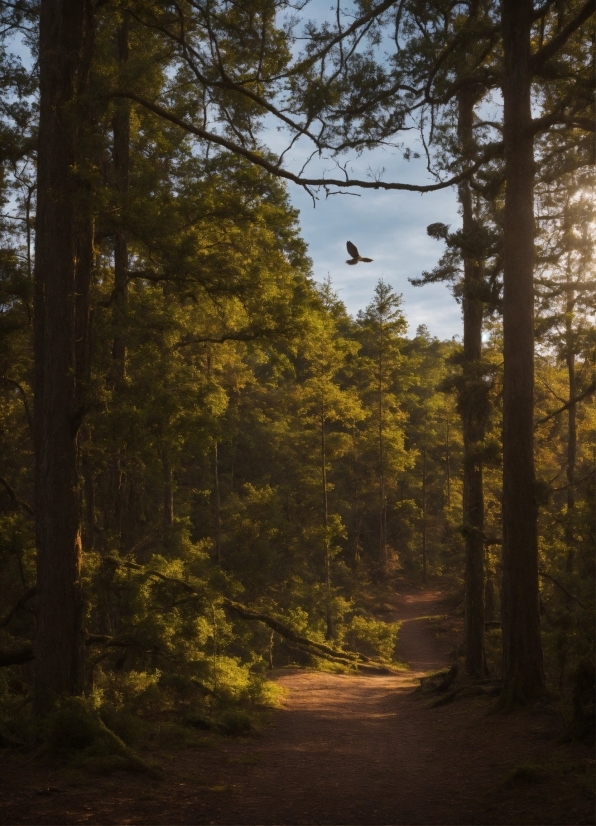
{"points": [[356, 749], [364, 750], [342, 750]]}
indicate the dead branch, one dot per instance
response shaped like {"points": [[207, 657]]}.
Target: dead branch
{"points": [[16, 500], [16, 656], [289, 634], [587, 392], [151, 572], [562, 587], [23, 600], [305, 644], [340, 658]]}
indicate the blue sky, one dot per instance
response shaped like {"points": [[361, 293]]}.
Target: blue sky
{"points": [[387, 226]]}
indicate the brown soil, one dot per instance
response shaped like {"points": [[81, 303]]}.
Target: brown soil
{"points": [[343, 749]]}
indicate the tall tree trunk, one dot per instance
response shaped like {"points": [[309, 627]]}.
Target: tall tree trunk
{"points": [[89, 495], [571, 426], [523, 670], [168, 491], [121, 160], [356, 516], [472, 404], [489, 600], [424, 506], [448, 464], [62, 259], [382, 495], [217, 503], [329, 632]]}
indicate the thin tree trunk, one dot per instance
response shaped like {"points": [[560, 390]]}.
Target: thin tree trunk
{"points": [[28, 227], [329, 633], [168, 492], [83, 269], [357, 540], [448, 462], [217, 503], [489, 600], [115, 508], [424, 506], [59, 242], [571, 429], [382, 504], [356, 520], [523, 669], [472, 402], [89, 493]]}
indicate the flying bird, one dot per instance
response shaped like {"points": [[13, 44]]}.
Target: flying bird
{"points": [[356, 257]]}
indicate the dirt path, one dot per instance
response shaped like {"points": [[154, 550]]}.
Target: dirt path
{"points": [[348, 749], [362, 750], [343, 750]]}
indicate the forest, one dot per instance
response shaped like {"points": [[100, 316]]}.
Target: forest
{"points": [[209, 469]]}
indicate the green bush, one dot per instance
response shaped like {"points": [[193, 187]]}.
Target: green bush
{"points": [[373, 638], [236, 723], [197, 720]]}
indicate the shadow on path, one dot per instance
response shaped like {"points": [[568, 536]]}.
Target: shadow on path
{"points": [[354, 749], [343, 749]]}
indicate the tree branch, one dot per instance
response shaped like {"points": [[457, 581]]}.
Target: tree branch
{"points": [[310, 646], [258, 159], [151, 572], [361, 21], [285, 631], [559, 40], [587, 392], [562, 587], [18, 502], [23, 600], [14, 383], [241, 335], [307, 645], [16, 656]]}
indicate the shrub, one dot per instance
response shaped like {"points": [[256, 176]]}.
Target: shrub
{"points": [[373, 638], [235, 722]]}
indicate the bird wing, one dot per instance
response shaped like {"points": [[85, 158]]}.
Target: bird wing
{"points": [[352, 250]]}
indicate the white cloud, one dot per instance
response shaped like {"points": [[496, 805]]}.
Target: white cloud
{"points": [[390, 227]]}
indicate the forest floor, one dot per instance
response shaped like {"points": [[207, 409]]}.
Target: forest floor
{"points": [[342, 749]]}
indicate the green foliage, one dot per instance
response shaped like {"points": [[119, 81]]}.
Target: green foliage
{"points": [[373, 638], [236, 723], [242, 436]]}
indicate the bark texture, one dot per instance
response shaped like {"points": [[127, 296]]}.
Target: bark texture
{"points": [[571, 426], [472, 403], [61, 321], [121, 160], [523, 671]]}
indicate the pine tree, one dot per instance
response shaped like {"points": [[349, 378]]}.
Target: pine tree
{"points": [[381, 327]]}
